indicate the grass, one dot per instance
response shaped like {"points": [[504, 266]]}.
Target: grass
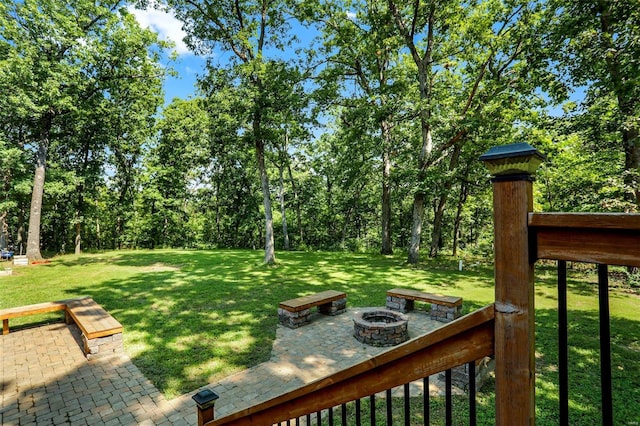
{"points": [[435, 415], [192, 317]]}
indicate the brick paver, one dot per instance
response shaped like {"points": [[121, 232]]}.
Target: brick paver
{"points": [[46, 380]]}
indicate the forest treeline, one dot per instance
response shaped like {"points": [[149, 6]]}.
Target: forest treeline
{"points": [[365, 136]]}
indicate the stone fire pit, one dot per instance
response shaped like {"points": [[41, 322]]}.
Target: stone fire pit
{"points": [[380, 327]]}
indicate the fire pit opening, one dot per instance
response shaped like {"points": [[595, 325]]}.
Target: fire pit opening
{"points": [[381, 327]]}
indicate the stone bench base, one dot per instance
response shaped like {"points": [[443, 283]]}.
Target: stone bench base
{"points": [[399, 304], [460, 374], [101, 347], [443, 308], [298, 319], [445, 313]]}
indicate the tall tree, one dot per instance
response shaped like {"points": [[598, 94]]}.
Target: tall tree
{"points": [[250, 30], [232, 191], [361, 49], [463, 55], [58, 57], [173, 169]]}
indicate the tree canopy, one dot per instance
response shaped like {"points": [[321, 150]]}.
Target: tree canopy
{"points": [[78, 80], [365, 138]]}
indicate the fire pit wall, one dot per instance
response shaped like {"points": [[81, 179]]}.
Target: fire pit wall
{"points": [[381, 327]]}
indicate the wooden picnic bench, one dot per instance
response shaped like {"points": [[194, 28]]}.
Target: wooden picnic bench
{"points": [[295, 313], [443, 308], [101, 333]]}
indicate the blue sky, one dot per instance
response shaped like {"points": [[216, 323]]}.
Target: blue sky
{"points": [[188, 65]]}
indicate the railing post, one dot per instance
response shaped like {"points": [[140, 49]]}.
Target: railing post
{"points": [[513, 167], [205, 401]]}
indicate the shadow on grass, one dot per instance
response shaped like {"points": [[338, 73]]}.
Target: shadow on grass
{"points": [[192, 317], [201, 315]]}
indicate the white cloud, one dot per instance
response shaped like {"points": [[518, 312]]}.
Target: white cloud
{"points": [[351, 15], [165, 24]]}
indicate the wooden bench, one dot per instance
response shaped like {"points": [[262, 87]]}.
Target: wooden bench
{"points": [[295, 313], [443, 308], [21, 311], [101, 333]]}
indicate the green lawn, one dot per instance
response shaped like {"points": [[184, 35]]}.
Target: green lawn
{"points": [[191, 317]]}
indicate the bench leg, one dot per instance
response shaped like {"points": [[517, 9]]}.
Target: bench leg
{"points": [[399, 304], [333, 308], [102, 346], [444, 313], [293, 319], [5, 326]]}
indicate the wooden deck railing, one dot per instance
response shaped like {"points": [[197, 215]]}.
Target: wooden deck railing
{"points": [[608, 239], [603, 239], [505, 329], [467, 339]]}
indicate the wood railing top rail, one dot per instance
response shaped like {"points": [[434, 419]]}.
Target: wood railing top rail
{"points": [[604, 238], [466, 339], [624, 221]]}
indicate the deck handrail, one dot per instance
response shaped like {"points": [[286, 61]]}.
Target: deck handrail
{"points": [[603, 238], [600, 238], [464, 340]]}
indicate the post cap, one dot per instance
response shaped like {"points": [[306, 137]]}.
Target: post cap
{"points": [[205, 398], [514, 159]]}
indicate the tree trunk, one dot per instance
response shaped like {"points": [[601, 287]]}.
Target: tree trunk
{"points": [[269, 249], [627, 104], [98, 236], [425, 85], [416, 227], [283, 212], [418, 198], [78, 240], [20, 239], [117, 242], [438, 217], [631, 141], [86, 150], [297, 203], [217, 210], [456, 224], [4, 237], [436, 233], [386, 247], [35, 215]]}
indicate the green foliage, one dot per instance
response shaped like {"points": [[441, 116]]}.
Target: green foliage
{"points": [[577, 179], [633, 279], [176, 167], [79, 81], [596, 45], [343, 120]]}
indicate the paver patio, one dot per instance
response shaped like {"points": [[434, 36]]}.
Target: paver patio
{"points": [[47, 380]]}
